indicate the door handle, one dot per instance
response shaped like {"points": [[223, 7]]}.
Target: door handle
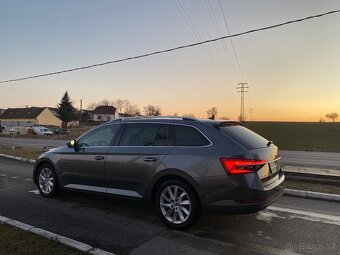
{"points": [[150, 159], [99, 157]]}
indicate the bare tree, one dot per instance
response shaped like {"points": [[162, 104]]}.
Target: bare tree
{"points": [[133, 110], [212, 113], [92, 106], [190, 115], [333, 116], [105, 102], [152, 110], [121, 105], [224, 118]]}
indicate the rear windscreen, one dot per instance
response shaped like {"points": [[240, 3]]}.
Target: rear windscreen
{"points": [[247, 138]]}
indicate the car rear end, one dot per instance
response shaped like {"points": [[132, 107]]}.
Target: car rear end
{"points": [[250, 182]]}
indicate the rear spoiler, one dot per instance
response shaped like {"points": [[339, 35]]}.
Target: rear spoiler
{"points": [[230, 123]]}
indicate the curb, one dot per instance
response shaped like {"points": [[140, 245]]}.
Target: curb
{"points": [[49, 235], [311, 171], [32, 161], [312, 194]]}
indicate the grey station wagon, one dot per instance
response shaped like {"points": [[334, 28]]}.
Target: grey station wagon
{"points": [[185, 166]]}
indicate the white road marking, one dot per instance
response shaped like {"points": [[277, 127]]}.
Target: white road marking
{"points": [[15, 177], [2, 175], [306, 215], [267, 216], [35, 191], [28, 179]]}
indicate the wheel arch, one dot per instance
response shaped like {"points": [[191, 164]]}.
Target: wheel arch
{"points": [[170, 174], [38, 164]]}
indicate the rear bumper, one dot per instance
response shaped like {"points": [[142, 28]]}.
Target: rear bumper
{"points": [[237, 196]]}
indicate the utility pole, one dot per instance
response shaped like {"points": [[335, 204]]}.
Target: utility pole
{"points": [[251, 111], [242, 88], [80, 111]]}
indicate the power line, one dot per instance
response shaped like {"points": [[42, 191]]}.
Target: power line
{"points": [[231, 41], [219, 55], [175, 48], [218, 31], [196, 34]]}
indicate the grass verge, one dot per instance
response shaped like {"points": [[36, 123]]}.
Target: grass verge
{"points": [[312, 186], [29, 153], [17, 241]]}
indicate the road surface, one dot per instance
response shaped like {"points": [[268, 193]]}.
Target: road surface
{"points": [[290, 226], [326, 160]]}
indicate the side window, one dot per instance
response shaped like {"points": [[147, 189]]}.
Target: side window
{"points": [[188, 136], [100, 137], [145, 134]]}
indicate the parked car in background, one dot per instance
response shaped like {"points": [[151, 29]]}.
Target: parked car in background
{"points": [[185, 166], [41, 130], [61, 131]]}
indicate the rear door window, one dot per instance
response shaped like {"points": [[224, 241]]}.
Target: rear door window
{"points": [[247, 138], [188, 136], [145, 134]]}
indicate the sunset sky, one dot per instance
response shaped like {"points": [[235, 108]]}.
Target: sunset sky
{"points": [[293, 72]]}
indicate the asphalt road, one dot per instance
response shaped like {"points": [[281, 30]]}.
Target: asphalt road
{"points": [[290, 226], [326, 160]]}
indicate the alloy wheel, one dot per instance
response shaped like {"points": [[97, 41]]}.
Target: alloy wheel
{"points": [[46, 180], [175, 204]]}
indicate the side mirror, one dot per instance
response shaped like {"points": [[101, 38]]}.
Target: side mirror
{"points": [[72, 144]]}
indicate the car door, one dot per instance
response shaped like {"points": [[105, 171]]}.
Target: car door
{"points": [[130, 165], [83, 167]]}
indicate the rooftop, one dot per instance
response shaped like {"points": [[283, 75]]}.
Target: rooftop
{"points": [[22, 113], [105, 109]]}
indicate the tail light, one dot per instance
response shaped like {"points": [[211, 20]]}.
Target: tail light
{"points": [[241, 166]]}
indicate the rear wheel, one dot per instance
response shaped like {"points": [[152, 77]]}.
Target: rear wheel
{"points": [[47, 181], [177, 204]]}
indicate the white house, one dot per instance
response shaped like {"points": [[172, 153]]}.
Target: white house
{"points": [[105, 113]]}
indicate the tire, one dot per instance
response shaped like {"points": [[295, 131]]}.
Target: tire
{"points": [[178, 210], [47, 181]]}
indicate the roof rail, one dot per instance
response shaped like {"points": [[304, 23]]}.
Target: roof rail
{"points": [[157, 118]]}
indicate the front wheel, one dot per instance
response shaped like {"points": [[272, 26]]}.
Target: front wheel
{"points": [[177, 204], [47, 181]]}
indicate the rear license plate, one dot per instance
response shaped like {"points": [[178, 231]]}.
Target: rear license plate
{"points": [[274, 166]]}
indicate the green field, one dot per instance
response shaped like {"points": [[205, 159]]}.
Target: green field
{"points": [[304, 136]]}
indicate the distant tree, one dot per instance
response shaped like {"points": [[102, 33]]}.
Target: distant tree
{"points": [[175, 114], [105, 102], [133, 110], [190, 115], [333, 116], [92, 106], [224, 118], [66, 110], [212, 113], [152, 110], [122, 105]]}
